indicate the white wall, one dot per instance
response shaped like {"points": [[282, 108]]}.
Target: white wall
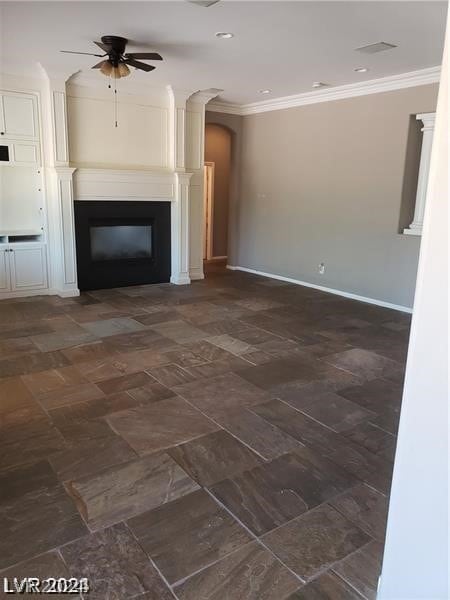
{"points": [[325, 183], [416, 559], [141, 139]]}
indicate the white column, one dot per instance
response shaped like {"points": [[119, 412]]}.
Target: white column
{"points": [[195, 159], [60, 177], [416, 556], [67, 280], [177, 127], [180, 230], [422, 183]]}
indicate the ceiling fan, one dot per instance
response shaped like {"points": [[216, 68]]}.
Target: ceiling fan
{"points": [[116, 65]]}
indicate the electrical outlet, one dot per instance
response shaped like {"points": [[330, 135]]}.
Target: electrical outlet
{"points": [[322, 268]]}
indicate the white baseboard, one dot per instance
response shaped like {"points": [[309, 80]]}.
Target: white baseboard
{"points": [[196, 273], [43, 292], [180, 280], [73, 293], [322, 288], [216, 258]]}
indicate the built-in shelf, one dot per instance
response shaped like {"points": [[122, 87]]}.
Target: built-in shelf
{"points": [[21, 236]]}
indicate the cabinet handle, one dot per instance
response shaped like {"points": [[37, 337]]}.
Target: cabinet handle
{"points": [[2, 133]]}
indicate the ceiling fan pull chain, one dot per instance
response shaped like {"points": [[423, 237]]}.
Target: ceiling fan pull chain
{"points": [[115, 101]]}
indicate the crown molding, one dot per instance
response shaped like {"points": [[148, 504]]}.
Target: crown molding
{"points": [[226, 107], [204, 96], [362, 88]]}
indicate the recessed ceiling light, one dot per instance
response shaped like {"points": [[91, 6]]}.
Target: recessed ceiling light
{"points": [[224, 35], [361, 70], [264, 91], [318, 84]]}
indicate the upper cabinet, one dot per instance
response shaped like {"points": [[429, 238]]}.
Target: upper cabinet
{"points": [[18, 116]]}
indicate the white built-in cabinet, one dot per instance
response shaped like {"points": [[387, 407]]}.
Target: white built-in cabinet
{"points": [[23, 266], [19, 128], [23, 247], [19, 116]]}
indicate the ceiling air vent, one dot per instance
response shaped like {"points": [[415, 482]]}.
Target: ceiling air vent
{"points": [[204, 3], [374, 48]]}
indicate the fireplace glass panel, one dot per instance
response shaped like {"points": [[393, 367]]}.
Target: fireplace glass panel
{"points": [[121, 242]]}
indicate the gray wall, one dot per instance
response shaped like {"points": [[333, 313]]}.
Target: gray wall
{"points": [[234, 124], [333, 182], [218, 151]]}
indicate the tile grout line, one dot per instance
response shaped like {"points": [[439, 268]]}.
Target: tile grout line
{"points": [[183, 580], [221, 428], [157, 569], [254, 536]]}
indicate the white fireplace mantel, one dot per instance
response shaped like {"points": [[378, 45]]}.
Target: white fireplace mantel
{"points": [[146, 186], [180, 182]]}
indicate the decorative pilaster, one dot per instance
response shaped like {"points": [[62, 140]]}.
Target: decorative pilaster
{"points": [[67, 279], [180, 230], [428, 120], [177, 127], [195, 160], [60, 176], [59, 122]]}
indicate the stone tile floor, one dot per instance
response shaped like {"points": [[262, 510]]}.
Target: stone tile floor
{"points": [[233, 439]]}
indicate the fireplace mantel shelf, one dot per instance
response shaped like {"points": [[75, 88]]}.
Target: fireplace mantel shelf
{"points": [[127, 184]]}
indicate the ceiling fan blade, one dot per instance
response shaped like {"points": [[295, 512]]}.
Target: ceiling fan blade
{"points": [[105, 47], [144, 55], [98, 65], [138, 65], [86, 53]]}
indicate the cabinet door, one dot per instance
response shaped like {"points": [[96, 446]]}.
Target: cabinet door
{"points": [[25, 153], [28, 267], [4, 270], [19, 116]]}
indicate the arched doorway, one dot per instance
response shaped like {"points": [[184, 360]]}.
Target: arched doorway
{"points": [[218, 142]]}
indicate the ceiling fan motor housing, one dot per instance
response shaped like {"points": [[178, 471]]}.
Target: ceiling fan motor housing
{"points": [[116, 43], [117, 47]]}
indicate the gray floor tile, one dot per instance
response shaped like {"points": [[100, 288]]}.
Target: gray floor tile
{"points": [[315, 541], [122, 491], [214, 457], [251, 572], [188, 534]]}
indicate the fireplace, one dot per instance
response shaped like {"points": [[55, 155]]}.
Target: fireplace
{"points": [[122, 243]]}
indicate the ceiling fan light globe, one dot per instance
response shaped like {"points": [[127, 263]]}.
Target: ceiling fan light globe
{"points": [[106, 68], [124, 71]]}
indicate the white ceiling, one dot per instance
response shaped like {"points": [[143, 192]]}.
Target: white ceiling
{"points": [[284, 46]]}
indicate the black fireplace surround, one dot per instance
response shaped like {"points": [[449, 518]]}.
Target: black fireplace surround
{"points": [[122, 243]]}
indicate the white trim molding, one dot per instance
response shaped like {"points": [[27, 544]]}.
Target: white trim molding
{"points": [[180, 231], [428, 120], [67, 283], [123, 184], [322, 288], [339, 92]]}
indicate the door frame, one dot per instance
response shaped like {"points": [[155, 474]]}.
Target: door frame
{"points": [[208, 210]]}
